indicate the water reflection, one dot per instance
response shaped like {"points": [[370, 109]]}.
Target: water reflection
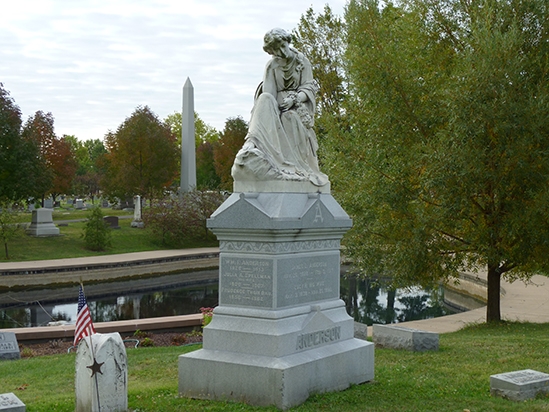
{"points": [[106, 303], [170, 295], [368, 302]]}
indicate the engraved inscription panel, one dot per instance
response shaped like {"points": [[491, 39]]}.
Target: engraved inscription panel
{"points": [[307, 279], [246, 281], [525, 376]]}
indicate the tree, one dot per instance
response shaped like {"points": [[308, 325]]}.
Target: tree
{"points": [[89, 157], [225, 150], [19, 158], [446, 152], [142, 157], [63, 165], [39, 130], [321, 37], [9, 228]]}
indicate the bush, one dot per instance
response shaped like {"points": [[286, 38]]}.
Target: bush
{"points": [[97, 233], [175, 221]]}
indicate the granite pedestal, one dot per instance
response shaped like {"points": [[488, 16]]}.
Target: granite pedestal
{"points": [[280, 332], [42, 223]]}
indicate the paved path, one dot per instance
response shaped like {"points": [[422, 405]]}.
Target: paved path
{"points": [[520, 302]]}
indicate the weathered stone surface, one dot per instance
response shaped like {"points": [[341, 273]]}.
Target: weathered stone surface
{"points": [[112, 221], [11, 403], [280, 332], [42, 223], [101, 374], [519, 385], [9, 349], [396, 337]]}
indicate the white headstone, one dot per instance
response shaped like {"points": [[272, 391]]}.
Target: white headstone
{"points": [[137, 222], [188, 156], [79, 204], [9, 349], [42, 223], [11, 403], [519, 385], [101, 374]]}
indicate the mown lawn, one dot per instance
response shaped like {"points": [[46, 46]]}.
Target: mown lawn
{"points": [[454, 379], [71, 244]]}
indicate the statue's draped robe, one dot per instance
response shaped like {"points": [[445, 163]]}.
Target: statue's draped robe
{"points": [[282, 145]]}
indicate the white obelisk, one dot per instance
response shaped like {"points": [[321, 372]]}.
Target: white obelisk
{"points": [[188, 157]]}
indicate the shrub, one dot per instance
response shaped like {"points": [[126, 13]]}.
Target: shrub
{"points": [[97, 233], [175, 221]]}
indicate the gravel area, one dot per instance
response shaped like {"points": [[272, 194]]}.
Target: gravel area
{"points": [[145, 339]]}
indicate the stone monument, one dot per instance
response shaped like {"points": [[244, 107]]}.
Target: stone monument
{"points": [[9, 349], [101, 380], [188, 155], [280, 332], [137, 222], [11, 403], [42, 223]]}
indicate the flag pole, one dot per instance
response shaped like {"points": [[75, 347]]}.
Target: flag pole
{"points": [[90, 330]]}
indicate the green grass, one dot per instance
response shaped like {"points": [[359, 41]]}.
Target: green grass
{"points": [[71, 244], [455, 378]]}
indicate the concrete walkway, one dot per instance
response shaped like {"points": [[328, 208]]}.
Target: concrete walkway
{"points": [[519, 302]]}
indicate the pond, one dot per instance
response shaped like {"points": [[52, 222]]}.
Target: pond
{"points": [[170, 295]]}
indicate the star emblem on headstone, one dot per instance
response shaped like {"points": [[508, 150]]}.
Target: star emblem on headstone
{"points": [[96, 367]]}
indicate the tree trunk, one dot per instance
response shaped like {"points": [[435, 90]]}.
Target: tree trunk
{"points": [[6, 250], [493, 313]]}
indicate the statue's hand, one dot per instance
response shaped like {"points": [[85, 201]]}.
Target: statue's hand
{"points": [[287, 104]]}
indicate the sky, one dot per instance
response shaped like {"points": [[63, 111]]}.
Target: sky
{"points": [[91, 63]]}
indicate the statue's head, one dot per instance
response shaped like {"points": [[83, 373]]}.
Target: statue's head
{"points": [[274, 39]]}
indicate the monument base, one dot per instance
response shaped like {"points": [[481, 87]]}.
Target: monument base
{"points": [[284, 382], [280, 332]]}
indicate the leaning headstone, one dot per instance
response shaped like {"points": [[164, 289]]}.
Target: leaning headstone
{"points": [[9, 349], [101, 374], [11, 403], [519, 385], [396, 337], [42, 223], [79, 204], [111, 221], [137, 222], [48, 203]]}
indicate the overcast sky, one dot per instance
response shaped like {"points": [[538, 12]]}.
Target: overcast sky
{"points": [[92, 62]]}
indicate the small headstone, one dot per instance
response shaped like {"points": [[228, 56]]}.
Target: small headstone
{"points": [[79, 204], [111, 221], [31, 207], [137, 222], [42, 223], [11, 403], [48, 203], [105, 203], [9, 349], [101, 374], [519, 385], [396, 337]]}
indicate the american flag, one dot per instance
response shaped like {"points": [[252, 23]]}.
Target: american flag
{"points": [[84, 325]]}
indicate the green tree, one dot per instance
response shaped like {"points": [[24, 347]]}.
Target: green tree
{"points": [[20, 166], [225, 150], [97, 233], [89, 156], [321, 37], [9, 228], [142, 157], [446, 153]]}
